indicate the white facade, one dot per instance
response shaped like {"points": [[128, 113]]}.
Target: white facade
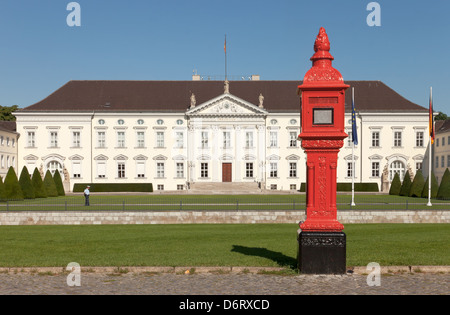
{"points": [[223, 139]]}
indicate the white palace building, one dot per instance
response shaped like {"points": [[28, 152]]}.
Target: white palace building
{"points": [[177, 134]]}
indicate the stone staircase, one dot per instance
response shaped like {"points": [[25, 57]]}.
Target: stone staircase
{"points": [[224, 188]]}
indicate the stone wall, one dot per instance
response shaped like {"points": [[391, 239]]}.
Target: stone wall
{"points": [[214, 217]]}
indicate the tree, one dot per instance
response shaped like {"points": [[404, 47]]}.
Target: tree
{"points": [[444, 188], [434, 187], [38, 185], [6, 113], [406, 185], [2, 190], [49, 185], [26, 185], [417, 185], [396, 185], [59, 184], [13, 191], [441, 116]]}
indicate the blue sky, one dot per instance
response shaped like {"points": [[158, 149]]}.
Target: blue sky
{"points": [[168, 39]]}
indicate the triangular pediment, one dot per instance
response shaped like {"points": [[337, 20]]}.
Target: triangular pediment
{"points": [[227, 105]]}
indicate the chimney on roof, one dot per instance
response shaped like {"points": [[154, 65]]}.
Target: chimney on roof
{"points": [[196, 77], [255, 77]]}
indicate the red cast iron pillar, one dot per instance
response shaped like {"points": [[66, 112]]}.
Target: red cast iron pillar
{"points": [[322, 136]]}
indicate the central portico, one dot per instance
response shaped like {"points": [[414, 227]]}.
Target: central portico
{"points": [[226, 140]]}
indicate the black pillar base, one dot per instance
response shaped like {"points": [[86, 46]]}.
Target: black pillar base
{"points": [[322, 253]]}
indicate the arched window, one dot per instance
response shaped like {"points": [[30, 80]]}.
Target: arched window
{"points": [[53, 166], [397, 167]]}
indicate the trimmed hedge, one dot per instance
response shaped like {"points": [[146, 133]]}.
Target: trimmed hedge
{"points": [[26, 185], [59, 184], [49, 185], [38, 184], [444, 188], [2, 190], [417, 185], [114, 187], [406, 185], [396, 185], [345, 187], [13, 191], [434, 187]]}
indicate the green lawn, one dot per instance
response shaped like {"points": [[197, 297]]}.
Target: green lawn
{"points": [[158, 202], [271, 245]]}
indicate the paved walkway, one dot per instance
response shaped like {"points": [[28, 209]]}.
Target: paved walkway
{"points": [[212, 283]]}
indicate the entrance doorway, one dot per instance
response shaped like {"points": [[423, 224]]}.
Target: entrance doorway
{"points": [[227, 172]]}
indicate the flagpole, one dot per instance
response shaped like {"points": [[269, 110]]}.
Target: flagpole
{"points": [[353, 153], [225, 48], [431, 148]]}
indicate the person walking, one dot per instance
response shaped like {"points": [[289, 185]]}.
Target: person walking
{"points": [[86, 195]]}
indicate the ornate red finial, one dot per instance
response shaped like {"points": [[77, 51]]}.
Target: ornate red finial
{"points": [[322, 69]]}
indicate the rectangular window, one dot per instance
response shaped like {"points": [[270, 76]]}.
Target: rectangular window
{"points": [[397, 139], [437, 162], [180, 170], [101, 170], [140, 169], [292, 169], [76, 170], [179, 140], [226, 139], [273, 187], [375, 169], [437, 142], [293, 187], [442, 161], [375, 139], [349, 169], [273, 169], [418, 166], [204, 170], [140, 135], [101, 139], [448, 160], [204, 140], [160, 187], [273, 139], [53, 139], [249, 139], [160, 170], [121, 139], [76, 137], [121, 170], [293, 139], [419, 139], [249, 170], [160, 139], [349, 139], [31, 139], [443, 141], [180, 187]]}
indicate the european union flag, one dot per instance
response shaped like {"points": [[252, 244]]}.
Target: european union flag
{"points": [[354, 129]]}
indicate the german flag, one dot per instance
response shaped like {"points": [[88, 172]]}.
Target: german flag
{"points": [[431, 123]]}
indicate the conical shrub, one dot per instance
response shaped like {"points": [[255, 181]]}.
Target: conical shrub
{"points": [[38, 185], [26, 185], [49, 185], [406, 185], [59, 184], [444, 188], [417, 185], [2, 190], [396, 185], [434, 187], [13, 191]]}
